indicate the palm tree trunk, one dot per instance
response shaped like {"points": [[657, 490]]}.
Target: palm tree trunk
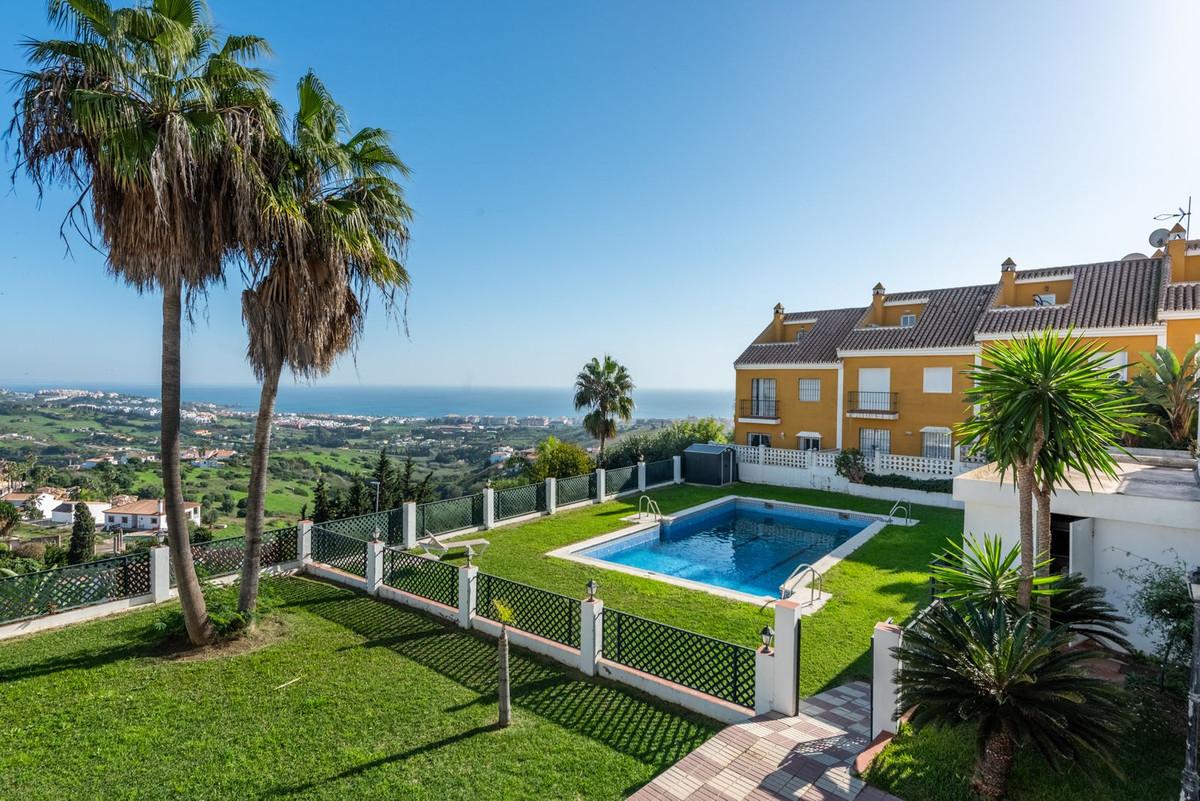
{"points": [[257, 491], [1025, 483], [1042, 495], [195, 613], [601, 460], [502, 683], [993, 765]]}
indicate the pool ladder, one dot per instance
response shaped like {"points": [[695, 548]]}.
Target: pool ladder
{"points": [[816, 584], [648, 506], [906, 506]]}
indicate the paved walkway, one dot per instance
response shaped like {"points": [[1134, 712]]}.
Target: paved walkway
{"points": [[801, 758]]}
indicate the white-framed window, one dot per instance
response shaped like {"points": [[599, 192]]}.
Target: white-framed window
{"points": [[938, 380], [754, 439], [810, 389], [1118, 364], [908, 320], [935, 443], [1045, 299], [808, 441], [874, 440]]}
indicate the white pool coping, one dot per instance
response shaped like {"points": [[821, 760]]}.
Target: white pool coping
{"points": [[813, 602]]}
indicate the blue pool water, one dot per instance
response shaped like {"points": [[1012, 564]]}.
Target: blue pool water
{"points": [[743, 545]]}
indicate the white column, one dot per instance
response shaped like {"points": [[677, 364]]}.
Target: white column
{"points": [[489, 508], [678, 468], [591, 635], [884, 693], [955, 454], [466, 595], [787, 646], [764, 680], [551, 495], [304, 542], [600, 485], [408, 525], [877, 463], [374, 566], [160, 573], [762, 450], [641, 475]]}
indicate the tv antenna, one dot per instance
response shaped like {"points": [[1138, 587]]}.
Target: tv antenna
{"points": [[1181, 216]]}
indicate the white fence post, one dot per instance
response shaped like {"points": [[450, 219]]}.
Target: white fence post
{"points": [[884, 693], [160, 573], [762, 451], [408, 525], [787, 649], [591, 635], [304, 542], [877, 467], [956, 466], [551, 495], [764, 680], [600, 485], [678, 468], [374, 566], [641, 465], [466, 595], [489, 508]]}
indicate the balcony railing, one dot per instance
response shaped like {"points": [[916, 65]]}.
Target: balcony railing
{"points": [[879, 402], [757, 407]]}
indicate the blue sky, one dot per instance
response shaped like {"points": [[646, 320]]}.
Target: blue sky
{"points": [[649, 179]]}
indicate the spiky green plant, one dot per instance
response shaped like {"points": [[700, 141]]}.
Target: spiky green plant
{"points": [[1170, 387], [607, 390]]}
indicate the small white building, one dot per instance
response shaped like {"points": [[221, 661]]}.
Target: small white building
{"points": [[65, 511], [44, 501], [148, 515], [1149, 512]]}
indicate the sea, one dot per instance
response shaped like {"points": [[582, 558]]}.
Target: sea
{"points": [[415, 401]]}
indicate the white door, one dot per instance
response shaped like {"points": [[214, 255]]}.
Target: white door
{"points": [[1082, 558], [874, 387]]}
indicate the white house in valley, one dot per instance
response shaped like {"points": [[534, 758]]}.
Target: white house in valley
{"points": [[65, 511], [147, 515], [44, 501], [1149, 513]]}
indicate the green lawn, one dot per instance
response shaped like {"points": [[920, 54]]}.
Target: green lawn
{"points": [[886, 577], [936, 764], [359, 699]]}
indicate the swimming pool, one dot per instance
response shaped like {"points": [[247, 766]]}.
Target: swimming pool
{"points": [[743, 546]]}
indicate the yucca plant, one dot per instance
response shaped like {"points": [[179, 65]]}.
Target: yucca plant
{"points": [[506, 616], [1170, 388], [1047, 405], [1015, 681]]}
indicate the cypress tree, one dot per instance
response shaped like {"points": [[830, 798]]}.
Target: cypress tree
{"points": [[83, 535], [322, 508], [386, 477]]}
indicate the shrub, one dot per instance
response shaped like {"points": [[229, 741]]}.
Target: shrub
{"points": [[850, 464], [31, 550], [907, 482], [56, 556], [665, 442], [222, 603], [1159, 595]]}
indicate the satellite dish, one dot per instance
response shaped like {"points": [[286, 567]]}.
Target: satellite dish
{"points": [[1135, 257], [1159, 237]]}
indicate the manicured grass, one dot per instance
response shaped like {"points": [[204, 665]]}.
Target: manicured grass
{"points": [[886, 577], [358, 699], [936, 764]]}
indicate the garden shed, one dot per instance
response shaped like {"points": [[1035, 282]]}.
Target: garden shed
{"points": [[712, 465]]}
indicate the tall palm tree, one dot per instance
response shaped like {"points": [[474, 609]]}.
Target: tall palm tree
{"points": [[1171, 388], [1015, 680], [159, 128], [338, 225], [605, 388], [1046, 406]]}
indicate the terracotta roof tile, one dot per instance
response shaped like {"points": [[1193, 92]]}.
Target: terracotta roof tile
{"points": [[947, 321], [818, 346], [1180, 297]]}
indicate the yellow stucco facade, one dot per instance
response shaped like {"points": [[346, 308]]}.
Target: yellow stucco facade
{"points": [[794, 415]]}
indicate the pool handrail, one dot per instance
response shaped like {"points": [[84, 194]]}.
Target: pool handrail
{"points": [[815, 586]]}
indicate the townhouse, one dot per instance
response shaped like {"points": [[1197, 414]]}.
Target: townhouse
{"points": [[889, 377]]}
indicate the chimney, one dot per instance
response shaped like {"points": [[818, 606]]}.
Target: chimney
{"points": [[1008, 282], [777, 324], [1184, 268], [877, 295]]}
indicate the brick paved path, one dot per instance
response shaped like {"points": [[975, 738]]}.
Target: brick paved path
{"points": [[801, 758]]}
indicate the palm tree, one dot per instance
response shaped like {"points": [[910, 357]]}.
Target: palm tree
{"points": [[1171, 388], [1015, 681], [1047, 405], [159, 128], [338, 226], [605, 388]]}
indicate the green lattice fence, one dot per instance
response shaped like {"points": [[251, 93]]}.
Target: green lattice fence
{"points": [[421, 576], [49, 591], [348, 554], [522, 500], [224, 556], [546, 614], [575, 489], [660, 472], [438, 517], [620, 479], [365, 527], [718, 668]]}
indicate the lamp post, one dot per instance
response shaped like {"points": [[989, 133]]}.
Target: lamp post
{"points": [[767, 635], [1190, 789]]}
